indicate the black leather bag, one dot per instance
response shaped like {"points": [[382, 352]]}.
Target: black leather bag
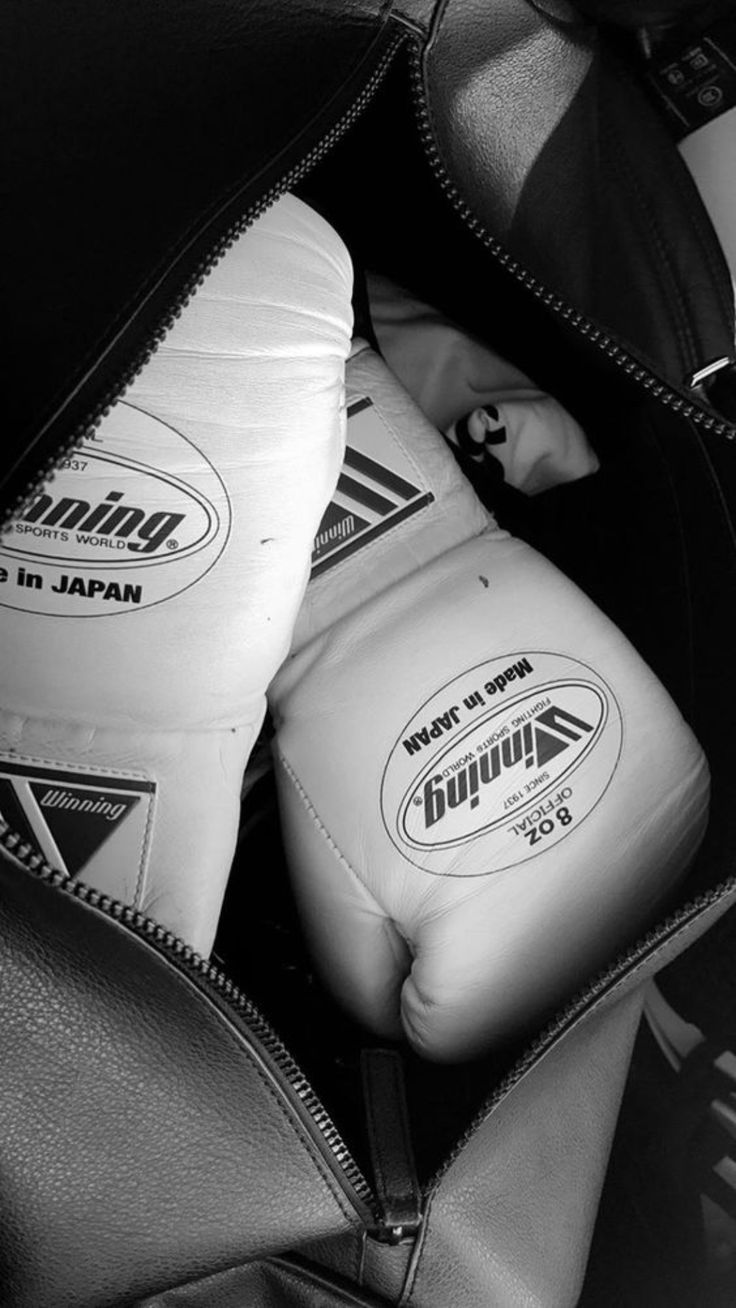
{"points": [[159, 1144]]}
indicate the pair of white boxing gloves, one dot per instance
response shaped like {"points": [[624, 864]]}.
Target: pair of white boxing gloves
{"points": [[483, 789]]}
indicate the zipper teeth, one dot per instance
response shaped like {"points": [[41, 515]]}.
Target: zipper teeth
{"points": [[152, 932], [575, 1009], [14, 844], [203, 268], [617, 354], [173, 947], [570, 316]]}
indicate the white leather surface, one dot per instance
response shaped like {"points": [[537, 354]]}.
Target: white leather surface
{"points": [[149, 670], [483, 787]]}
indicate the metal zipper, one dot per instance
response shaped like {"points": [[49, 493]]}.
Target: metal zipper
{"points": [[207, 974], [584, 999], [202, 271], [570, 316], [574, 1010], [152, 932]]}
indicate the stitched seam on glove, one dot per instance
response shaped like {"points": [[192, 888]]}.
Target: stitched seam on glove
{"points": [[319, 824]]}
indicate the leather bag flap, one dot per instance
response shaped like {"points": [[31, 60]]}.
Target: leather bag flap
{"points": [[146, 1138]]}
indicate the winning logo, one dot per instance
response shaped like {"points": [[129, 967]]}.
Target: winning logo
{"points": [[376, 490], [139, 531], [134, 515], [524, 741], [80, 822], [536, 744]]}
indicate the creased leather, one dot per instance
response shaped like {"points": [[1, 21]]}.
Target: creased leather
{"points": [[270, 1283], [561, 157], [145, 1140], [513, 1232], [141, 1145], [138, 136]]}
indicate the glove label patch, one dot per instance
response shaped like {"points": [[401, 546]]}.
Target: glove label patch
{"points": [[84, 822], [694, 81], [513, 755], [377, 490], [133, 516]]}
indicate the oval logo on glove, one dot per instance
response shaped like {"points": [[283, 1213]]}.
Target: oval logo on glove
{"points": [[512, 754], [134, 515]]}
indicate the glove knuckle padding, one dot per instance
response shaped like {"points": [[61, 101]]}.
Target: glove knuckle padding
{"points": [[472, 753], [172, 551]]}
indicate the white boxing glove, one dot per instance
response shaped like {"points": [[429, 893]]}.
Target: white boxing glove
{"points": [[484, 790], [150, 589]]}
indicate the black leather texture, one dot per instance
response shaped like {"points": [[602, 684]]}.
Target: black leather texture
{"points": [[140, 132], [551, 144], [145, 1139], [151, 1153], [140, 137], [270, 1283]]}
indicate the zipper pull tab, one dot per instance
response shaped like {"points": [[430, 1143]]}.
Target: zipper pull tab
{"points": [[392, 1156], [715, 385]]}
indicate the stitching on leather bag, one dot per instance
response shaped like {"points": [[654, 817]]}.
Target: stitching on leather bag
{"points": [[319, 1278], [385, 13], [437, 20], [412, 1273], [699, 218], [421, 1237], [651, 958], [606, 1001], [239, 1044], [433, 38], [663, 266], [292, 1119]]}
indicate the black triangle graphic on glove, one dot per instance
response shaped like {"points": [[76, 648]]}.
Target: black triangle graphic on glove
{"points": [[548, 746], [338, 525], [11, 811], [80, 819]]}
